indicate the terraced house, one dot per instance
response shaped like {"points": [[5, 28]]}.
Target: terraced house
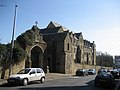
{"points": [[57, 49]]}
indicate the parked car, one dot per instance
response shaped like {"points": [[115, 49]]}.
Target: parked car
{"points": [[91, 71], [118, 71], [104, 79], [81, 72], [27, 75], [115, 73], [102, 70]]}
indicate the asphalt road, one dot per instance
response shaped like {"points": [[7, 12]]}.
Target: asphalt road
{"points": [[71, 83]]}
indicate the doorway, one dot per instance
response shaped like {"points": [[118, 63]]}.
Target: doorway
{"points": [[37, 57]]}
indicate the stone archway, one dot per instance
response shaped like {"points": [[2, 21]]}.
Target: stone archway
{"points": [[37, 57]]}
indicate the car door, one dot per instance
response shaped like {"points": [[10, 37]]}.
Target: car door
{"points": [[39, 73], [32, 75]]}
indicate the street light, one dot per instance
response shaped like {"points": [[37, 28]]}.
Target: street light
{"points": [[12, 41]]}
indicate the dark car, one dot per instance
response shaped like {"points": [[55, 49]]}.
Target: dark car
{"points": [[115, 74], [102, 70], [119, 71], [104, 79], [81, 72]]}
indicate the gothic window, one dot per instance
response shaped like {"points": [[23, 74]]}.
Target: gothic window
{"points": [[78, 55], [87, 58], [68, 46]]}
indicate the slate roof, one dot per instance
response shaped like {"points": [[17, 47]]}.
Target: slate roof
{"points": [[79, 35], [50, 30], [53, 24], [55, 36], [56, 24]]}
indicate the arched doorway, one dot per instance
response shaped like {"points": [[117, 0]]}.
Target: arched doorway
{"points": [[37, 57]]}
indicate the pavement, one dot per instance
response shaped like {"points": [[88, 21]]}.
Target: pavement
{"points": [[49, 76]]}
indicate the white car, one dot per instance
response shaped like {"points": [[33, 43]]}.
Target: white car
{"points": [[27, 75], [91, 71]]}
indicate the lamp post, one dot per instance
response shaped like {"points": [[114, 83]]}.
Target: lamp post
{"points": [[12, 41]]}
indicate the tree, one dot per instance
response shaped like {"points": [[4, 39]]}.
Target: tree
{"points": [[26, 38], [18, 54], [104, 59], [4, 54]]}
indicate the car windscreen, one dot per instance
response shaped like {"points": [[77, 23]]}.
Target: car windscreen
{"points": [[24, 71], [90, 70]]}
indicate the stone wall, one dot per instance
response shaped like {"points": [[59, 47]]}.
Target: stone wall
{"points": [[15, 69], [81, 66]]}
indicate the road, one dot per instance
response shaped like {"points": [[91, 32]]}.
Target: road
{"points": [[71, 83]]}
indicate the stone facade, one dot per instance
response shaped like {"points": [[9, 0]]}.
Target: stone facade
{"points": [[57, 49], [65, 49]]}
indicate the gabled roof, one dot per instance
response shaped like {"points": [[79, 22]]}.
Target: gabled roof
{"points": [[53, 24], [53, 28], [79, 35]]}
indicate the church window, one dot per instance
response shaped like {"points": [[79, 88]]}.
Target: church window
{"points": [[68, 46], [78, 55], [87, 58]]}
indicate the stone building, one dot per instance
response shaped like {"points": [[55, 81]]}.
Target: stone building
{"points": [[117, 61], [57, 49]]}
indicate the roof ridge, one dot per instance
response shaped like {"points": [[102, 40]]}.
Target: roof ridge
{"points": [[56, 24]]}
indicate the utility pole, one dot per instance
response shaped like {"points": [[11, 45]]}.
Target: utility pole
{"points": [[12, 41]]}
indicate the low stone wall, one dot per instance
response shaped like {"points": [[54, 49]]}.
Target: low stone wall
{"points": [[81, 66], [21, 65], [15, 69]]}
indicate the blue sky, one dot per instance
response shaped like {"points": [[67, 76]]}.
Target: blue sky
{"points": [[98, 20]]}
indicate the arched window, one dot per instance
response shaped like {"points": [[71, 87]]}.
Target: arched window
{"points": [[68, 46], [87, 58], [78, 55]]}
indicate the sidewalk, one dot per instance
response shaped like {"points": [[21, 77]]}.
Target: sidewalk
{"points": [[2, 81], [49, 76], [52, 76]]}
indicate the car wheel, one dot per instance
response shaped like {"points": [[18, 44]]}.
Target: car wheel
{"points": [[42, 80], [25, 82]]}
